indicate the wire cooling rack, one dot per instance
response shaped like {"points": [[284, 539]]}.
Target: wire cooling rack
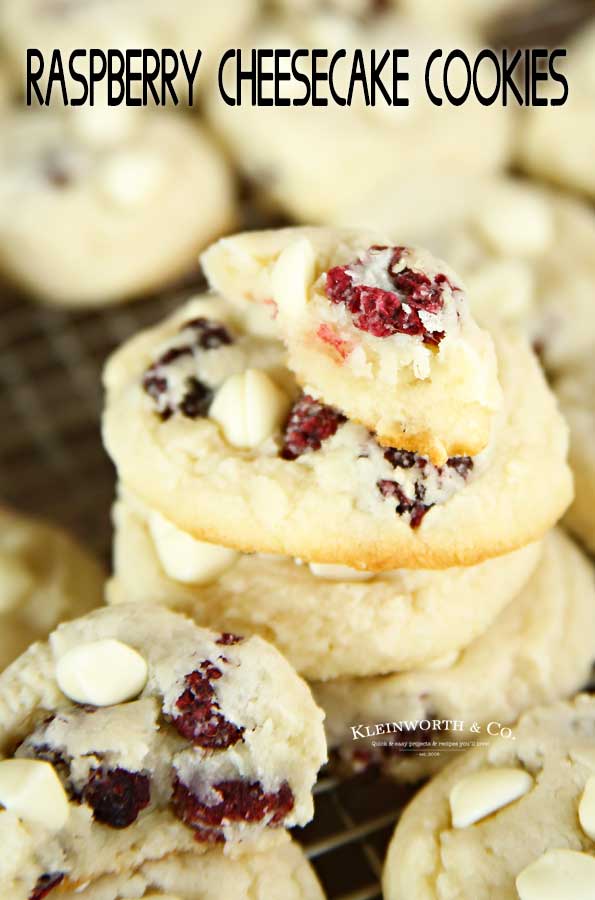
{"points": [[52, 464]]}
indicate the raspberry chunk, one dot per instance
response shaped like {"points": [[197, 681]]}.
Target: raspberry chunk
{"points": [[195, 397], [201, 720], [227, 639], [241, 801], [46, 884], [394, 307], [414, 494], [309, 424], [116, 796]]}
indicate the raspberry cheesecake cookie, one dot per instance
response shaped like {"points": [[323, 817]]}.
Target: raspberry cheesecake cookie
{"points": [[540, 648], [474, 13], [382, 332], [45, 577], [126, 738], [576, 393], [329, 621], [78, 187], [353, 147], [526, 253], [205, 427], [511, 821], [561, 147], [279, 874]]}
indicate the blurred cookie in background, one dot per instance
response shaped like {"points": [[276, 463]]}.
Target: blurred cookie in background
{"points": [[70, 25], [576, 394], [100, 204], [315, 162], [511, 241], [476, 13], [558, 144], [45, 577]]}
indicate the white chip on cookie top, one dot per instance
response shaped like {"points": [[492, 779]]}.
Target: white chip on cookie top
{"points": [[558, 875], [32, 790], [101, 673], [250, 408], [482, 793], [586, 809]]}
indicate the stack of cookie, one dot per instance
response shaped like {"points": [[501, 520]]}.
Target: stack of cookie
{"points": [[329, 451]]}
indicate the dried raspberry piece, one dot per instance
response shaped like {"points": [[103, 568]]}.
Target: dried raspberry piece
{"points": [[416, 507], [381, 312], [241, 801], [203, 334], [209, 335], [309, 424], [116, 796], [46, 884], [227, 638], [201, 720]]}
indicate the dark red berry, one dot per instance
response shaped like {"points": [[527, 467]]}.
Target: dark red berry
{"points": [[240, 801], [383, 313], [116, 796], [203, 334], [227, 638], [200, 719], [46, 884], [309, 424]]}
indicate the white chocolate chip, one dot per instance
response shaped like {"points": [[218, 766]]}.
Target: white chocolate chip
{"points": [[482, 793], [129, 177], [101, 673], [516, 221], [293, 276], [185, 559], [586, 809], [339, 573], [32, 790], [249, 408], [558, 875]]}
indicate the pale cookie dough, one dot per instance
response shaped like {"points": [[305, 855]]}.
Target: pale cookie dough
{"points": [[328, 621], [558, 143], [70, 25], [382, 332], [180, 738], [540, 649], [523, 798], [79, 188], [313, 161], [526, 253], [303, 482], [279, 874], [576, 393], [45, 577]]}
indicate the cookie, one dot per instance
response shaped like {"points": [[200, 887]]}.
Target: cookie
{"points": [[78, 187], [128, 738], [526, 253], [559, 146], [382, 332], [279, 874], [576, 393], [352, 148], [70, 25], [512, 821], [45, 577], [470, 13], [328, 621], [204, 426], [539, 649]]}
